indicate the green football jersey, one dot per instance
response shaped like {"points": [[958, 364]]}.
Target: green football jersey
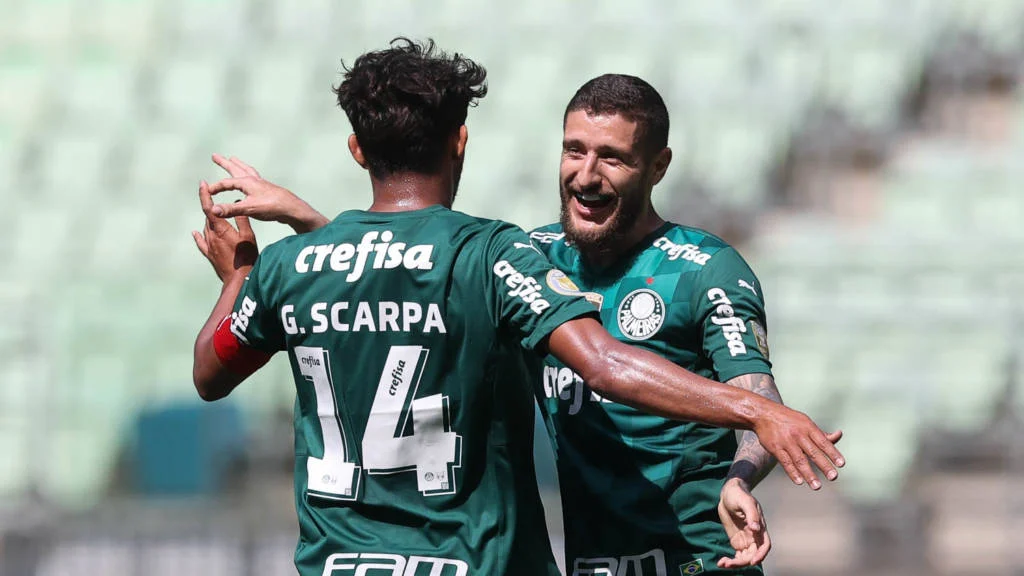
{"points": [[640, 492], [410, 337]]}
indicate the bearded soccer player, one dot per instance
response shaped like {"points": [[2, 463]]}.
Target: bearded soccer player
{"points": [[411, 330], [679, 292]]}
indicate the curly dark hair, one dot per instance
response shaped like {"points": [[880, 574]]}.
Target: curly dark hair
{"points": [[405, 101], [631, 97]]}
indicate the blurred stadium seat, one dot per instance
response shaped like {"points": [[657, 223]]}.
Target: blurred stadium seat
{"points": [[190, 92]]}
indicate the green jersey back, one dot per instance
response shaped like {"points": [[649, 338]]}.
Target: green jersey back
{"points": [[630, 481], [410, 336]]}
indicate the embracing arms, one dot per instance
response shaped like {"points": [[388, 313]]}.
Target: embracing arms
{"points": [[648, 382]]}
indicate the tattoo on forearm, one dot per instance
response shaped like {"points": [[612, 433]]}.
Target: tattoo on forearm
{"points": [[752, 462]]}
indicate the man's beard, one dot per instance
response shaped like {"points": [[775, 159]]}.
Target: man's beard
{"points": [[609, 237]]}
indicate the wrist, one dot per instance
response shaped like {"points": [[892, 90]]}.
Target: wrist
{"points": [[744, 471], [302, 219], [296, 221], [752, 410], [737, 481], [236, 277]]}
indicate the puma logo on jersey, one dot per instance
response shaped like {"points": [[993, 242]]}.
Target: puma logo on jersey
{"points": [[385, 255], [526, 288], [744, 284], [518, 245], [689, 252], [732, 327]]}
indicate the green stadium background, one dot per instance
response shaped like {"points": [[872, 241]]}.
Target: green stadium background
{"points": [[865, 155]]}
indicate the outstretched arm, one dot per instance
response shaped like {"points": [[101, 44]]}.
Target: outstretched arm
{"points": [[648, 382], [263, 200]]}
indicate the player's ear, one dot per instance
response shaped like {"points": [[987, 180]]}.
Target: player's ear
{"points": [[460, 143], [357, 152], [660, 164]]}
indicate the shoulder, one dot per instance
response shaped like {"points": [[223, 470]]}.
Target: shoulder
{"points": [[724, 276], [463, 219], [698, 247], [479, 228], [495, 232], [285, 249], [483, 241], [551, 241]]}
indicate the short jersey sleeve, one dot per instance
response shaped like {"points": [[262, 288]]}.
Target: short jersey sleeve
{"points": [[253, 320], [729, 306], [527, 296]]}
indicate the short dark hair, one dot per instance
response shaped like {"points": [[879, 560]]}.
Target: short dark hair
{"points": [[630, 97], [405, 101]]}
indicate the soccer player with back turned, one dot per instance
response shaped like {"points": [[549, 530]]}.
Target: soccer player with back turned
{"points": [[411, 331]]}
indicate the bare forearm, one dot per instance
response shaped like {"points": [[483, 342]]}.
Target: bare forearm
{"points": [[752, 463], [670, 391], [208, 374], [646, 381]]}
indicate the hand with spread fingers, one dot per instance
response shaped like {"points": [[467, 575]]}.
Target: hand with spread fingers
{"points": [[232, 252], [263, 200], [799, 445], [744, 523]]}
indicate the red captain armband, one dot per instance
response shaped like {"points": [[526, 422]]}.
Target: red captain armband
{"points": [[238, 358]]}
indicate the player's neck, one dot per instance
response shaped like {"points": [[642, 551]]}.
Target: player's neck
{"points": [[612, 253], [407, 191]]}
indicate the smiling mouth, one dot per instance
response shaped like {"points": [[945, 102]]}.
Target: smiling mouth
{"points": [[594, 201]]}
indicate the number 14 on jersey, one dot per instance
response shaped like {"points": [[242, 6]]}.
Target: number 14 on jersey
{"points": [[431, 451]]}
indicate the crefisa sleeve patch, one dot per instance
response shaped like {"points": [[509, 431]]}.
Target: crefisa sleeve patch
{"points": [[760, 336], [562, 284]]}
